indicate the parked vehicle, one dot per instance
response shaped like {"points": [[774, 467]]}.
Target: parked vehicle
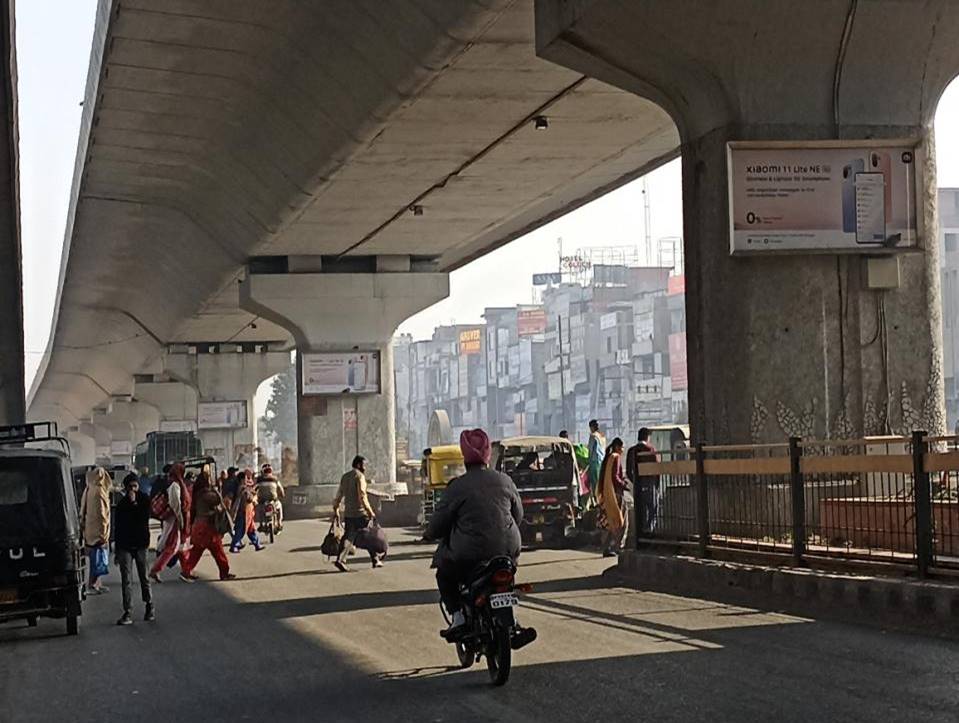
{"points": [[545, 473], [491, 629], [440, 465], [42, 565], [669, 437]]}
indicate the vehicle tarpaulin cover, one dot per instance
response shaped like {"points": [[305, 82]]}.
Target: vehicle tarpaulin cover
{"points": [[32, 504]]}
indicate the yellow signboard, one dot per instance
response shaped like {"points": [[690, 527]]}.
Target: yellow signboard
{"points": [[470, 341]]}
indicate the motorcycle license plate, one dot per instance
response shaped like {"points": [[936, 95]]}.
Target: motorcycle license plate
{"points": [[9, 595], [503, 600]]}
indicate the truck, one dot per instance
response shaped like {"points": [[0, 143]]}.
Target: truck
{"points": [[161, 448]]}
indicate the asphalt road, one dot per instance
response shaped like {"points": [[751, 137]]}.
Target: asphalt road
{"points": [[293, 639]]}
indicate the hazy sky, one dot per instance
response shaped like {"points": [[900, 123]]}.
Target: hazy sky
{"points": [[53, 46]]}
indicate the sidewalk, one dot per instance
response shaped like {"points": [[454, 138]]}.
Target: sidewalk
{"points": [[923, 606]]}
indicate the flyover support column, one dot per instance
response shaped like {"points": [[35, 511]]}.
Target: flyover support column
{"points": [[12, 406], [336, 319], [226, 378], [782, 344]]}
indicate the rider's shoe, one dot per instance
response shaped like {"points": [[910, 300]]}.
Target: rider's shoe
{"points": [[456, 628]]}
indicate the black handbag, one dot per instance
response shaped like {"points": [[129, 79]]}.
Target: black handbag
{"points": [[222, 522], [331, 543]]}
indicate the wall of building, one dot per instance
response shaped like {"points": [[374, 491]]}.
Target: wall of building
{"points": [[597, 348], [949, 253]]}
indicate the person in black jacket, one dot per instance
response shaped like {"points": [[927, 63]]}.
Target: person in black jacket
{"points": [[132, 541], [477, 519]]}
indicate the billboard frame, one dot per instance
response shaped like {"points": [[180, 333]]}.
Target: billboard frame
{"points": [[919, 160]]}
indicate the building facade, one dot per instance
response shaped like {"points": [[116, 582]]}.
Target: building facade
{"points": [[949, 256], [610, 346]]}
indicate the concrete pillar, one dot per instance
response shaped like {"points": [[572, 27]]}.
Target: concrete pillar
{"points": [[786, 345], [217, 373], [344, 312], [101, 436], [82, 447], [129, 423], [12, 410], [174, 401]]}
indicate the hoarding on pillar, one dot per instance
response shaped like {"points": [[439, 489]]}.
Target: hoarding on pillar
{"points": [[222, 415], [824, 196], [341, 373]]}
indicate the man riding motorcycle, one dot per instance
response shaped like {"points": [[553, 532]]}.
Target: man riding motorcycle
{"points": [[477, 519], [269, 489]]}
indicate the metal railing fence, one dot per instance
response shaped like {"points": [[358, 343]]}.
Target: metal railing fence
{"points": [[894, 499]]}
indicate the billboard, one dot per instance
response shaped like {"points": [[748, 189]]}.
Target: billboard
{"points": [[530, 321], [677, 361], [356, 372], [471, 341], [823, 196], [221, 415], [548, 278]]}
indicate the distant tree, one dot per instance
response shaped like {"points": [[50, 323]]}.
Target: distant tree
{"points": [[279, 419]]}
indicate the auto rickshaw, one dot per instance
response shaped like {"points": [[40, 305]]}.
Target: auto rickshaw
{"points": [[546, 476], [440, 465], [42, 565]]}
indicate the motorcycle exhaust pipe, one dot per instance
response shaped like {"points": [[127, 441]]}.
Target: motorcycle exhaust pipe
{"points": [[522, 638]]}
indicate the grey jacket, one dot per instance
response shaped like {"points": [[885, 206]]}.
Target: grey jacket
{"points": [[478, 517]]}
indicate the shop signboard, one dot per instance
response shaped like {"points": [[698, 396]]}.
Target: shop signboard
{"points": [[530, 321], [823, 196], [470, 341], [607, 321], [677, 360], [356, 372]]}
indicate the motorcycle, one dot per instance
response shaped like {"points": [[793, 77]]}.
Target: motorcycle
{"points": [[270, 517], [491, 630]]}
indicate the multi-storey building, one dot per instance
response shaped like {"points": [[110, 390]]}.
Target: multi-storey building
{"points": [[610, 347]]}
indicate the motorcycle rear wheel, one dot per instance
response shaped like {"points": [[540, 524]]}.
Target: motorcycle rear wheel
{"points": [[465, 655], [499, 656]]}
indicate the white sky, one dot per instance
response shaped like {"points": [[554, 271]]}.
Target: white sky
{"points": [[53, 46]]}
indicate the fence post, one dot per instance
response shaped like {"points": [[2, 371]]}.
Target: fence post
{"points": [[798, 490], [923, 500], [702, 500]]}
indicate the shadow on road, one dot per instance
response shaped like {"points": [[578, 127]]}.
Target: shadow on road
{"points": [[212, 658]]}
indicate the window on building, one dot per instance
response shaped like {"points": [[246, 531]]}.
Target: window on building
{"points": [[609, 344], [952, 242]]}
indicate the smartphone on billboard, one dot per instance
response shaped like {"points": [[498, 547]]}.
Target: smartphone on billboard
{"points": [[879, 163], [870, 208], [849, 173]]}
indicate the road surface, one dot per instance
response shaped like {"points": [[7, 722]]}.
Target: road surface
{"points": [[292, 639]]}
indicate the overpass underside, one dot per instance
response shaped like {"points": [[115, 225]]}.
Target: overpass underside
{"points": [[338, 161]]}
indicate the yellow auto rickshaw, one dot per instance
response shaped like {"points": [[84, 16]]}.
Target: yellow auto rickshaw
{"points": [[440, 465]]}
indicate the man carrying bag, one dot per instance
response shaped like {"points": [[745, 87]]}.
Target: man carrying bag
{"points": [[357, 512]]}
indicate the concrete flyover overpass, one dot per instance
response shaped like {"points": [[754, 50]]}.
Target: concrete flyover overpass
{"points": [[338, 160], [254, 175]]}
